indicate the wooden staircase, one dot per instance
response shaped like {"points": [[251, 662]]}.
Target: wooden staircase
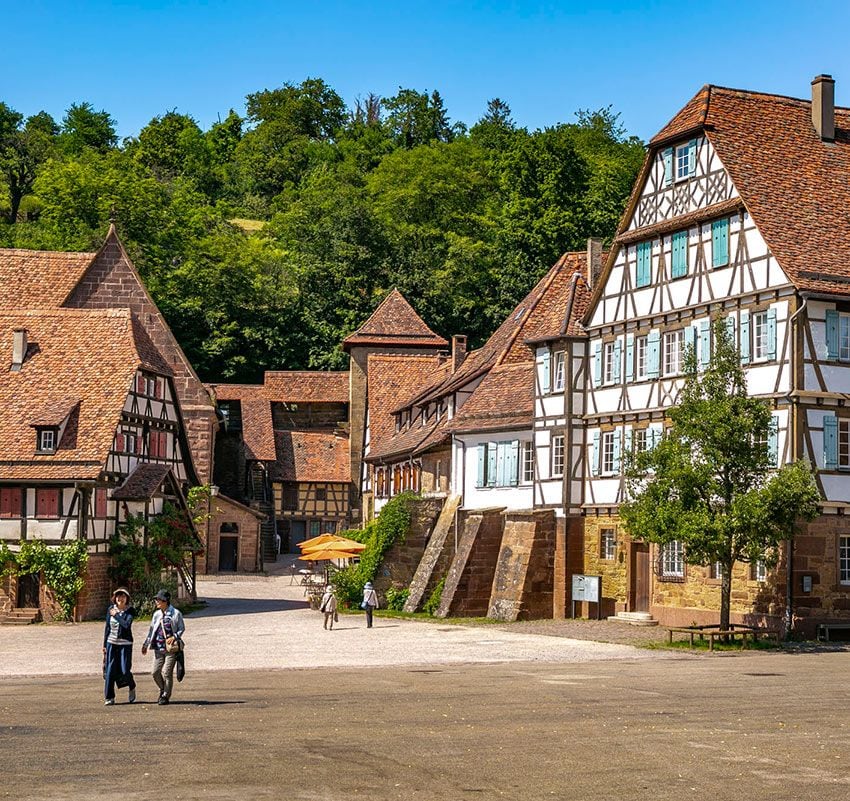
{"points": [[20, 617]]}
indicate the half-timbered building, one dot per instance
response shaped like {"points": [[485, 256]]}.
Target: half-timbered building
{"points": [[739, 213], [90, 433]]}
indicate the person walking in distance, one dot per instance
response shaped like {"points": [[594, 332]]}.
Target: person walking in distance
{"points": [[370, 602], [165, 636], [118, 647], [328, 607]]}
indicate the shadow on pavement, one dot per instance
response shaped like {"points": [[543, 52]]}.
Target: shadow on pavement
{"points": [[246, 606]]}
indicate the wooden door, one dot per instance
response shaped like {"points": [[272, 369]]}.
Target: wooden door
{"points": [[297, 533], [228, 549], [640, 578], [28, 587]]}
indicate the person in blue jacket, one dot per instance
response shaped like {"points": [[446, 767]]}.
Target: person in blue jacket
{"points": [[118, 647]]}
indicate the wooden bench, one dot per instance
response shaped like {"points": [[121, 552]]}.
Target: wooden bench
{"points": [[825, 628], [713, 632]]}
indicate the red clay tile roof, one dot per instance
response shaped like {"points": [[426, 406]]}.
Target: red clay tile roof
{"points": [[39, 279], [302, 386], [311, 456], [392, 380], [394, 324], [795, 186], [503, 400], [410, 441], [54, 412], [257, 429], [89, 356], [143, 483]]}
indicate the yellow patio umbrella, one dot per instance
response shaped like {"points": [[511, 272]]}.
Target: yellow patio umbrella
{"points": [[317, 540], [326, 554], [339, 544]]}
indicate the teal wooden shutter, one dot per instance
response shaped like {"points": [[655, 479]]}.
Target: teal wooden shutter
{"points": [[690, 342], [720, 243], [745, 337], [594, 459], [617, 452], [630, 356], [644, 260], [830, 442], [492, 461], [618, 358], [597, 364], [773, 441], [831, 334], [680, 254], [705, 343], [692, 158], [667, 159], [482, 461], [653, 354], [513, 463], [546, 380], [771, 333]]}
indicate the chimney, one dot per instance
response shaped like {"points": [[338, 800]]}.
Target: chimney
{"points": [[458, 351], [19, 348], [594, 261], [823, 107]]}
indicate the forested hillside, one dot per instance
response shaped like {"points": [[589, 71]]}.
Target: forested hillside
{"points": [[269, 237]]}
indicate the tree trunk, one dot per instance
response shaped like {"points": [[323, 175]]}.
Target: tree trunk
{"points": [[725, 597], [15, 198]]}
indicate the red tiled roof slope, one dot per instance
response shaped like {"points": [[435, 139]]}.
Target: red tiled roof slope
{"points": [[142, 483], [39, 279], [303, 386], [690, 117], [317, 456], [503, 400], [394, 323], [80, 360]]}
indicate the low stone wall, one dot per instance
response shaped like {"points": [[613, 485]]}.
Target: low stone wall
{"points": [[523, 582]]}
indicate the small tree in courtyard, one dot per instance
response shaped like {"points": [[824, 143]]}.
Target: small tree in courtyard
{"points": [[710, 482]]}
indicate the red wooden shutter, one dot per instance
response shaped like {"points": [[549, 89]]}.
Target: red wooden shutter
{"points": [[163, 444], [5, 502], [100, 503], [139, 443], [47, 502], [140, 385], [119, 443], [157, 390]]}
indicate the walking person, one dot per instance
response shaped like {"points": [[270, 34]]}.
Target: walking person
{"points": [[328, 607], [370, 602], [118, 647], [165, 636]]}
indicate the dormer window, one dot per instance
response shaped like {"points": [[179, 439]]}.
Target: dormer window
{"points": [[46, 440], [686, 160]]}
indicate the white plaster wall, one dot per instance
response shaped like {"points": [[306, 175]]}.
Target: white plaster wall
{"points": [[463, 479]]}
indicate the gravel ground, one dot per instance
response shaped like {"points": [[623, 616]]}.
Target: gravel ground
{"points": [[596, 630]]}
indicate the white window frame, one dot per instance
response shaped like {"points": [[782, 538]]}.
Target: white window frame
{"points": [[682, 158], [557, 456], [844, 337], [558, 371], [759, 571], [760, 349], [674, 346], [641, 351], [844, 559], [608, 544], [606, 462], [526, 462], [47, 440], [640, 437], [673, 560], [608, 351], [843, 443]]}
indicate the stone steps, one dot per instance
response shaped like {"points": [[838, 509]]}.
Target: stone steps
{"points": [[20, 617], [634, 618]]}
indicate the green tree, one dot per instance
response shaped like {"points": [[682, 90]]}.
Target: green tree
{"points": [[709, 483], [496, 128], [417, 118], [83, 129]]}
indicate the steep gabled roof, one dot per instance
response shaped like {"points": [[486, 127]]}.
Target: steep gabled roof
{"points": [[504, 400], [39, 279], [143, 483], [82, 363], [394, 324]]}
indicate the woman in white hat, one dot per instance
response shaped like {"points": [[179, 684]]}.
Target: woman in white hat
{"points": [[118, 647], [370, 602]]}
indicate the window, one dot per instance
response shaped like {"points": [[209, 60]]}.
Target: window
{"points": [[639, 440], [527, 462], [46, 440], [608, 452], [760, 341], [315, 528], [844, 338], [640, 358], [321, 493], [158, 444], [607, 544], [380, 483], [674, 342], [610, 363], [558, 455], [673, 560], [715, 571], [844, 560], [643, 275], [10, 502], [759, 571], [558, 371], [679, 261], [46, 503], [329, 527], [844, 444], [498, 464], [685, 157], [289, 499]]}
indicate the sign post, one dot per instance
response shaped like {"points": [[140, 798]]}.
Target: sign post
{"points": [[589, 589]]}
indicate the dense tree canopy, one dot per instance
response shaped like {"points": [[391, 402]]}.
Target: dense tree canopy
{"points": [[270, 236]]}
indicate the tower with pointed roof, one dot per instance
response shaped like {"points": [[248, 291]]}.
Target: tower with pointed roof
{"points": [[394, 327]]}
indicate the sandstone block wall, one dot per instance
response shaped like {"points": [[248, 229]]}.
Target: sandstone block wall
{"points": [[247, 531], [96, 593]]}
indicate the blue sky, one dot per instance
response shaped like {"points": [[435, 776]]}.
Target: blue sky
{"points": [[546, 60]]}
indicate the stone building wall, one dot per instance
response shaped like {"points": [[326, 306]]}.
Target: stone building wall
{"points": [[95, 596], [614, 572], [224, 513]]}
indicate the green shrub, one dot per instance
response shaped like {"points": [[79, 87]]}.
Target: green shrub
{"points": [[433, 603], [397, 598]]}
